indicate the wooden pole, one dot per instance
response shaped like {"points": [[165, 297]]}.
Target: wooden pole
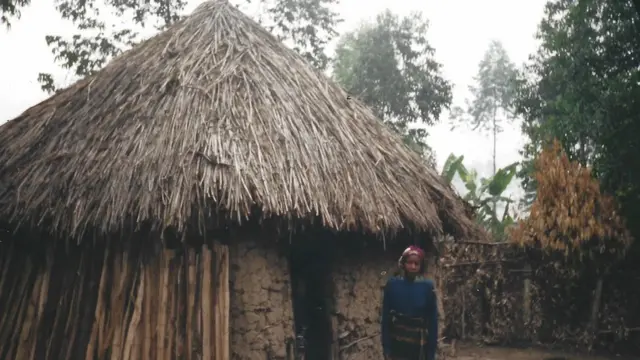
{"points": [[222, 303], [205, 310], [527, 295], [595, 307], [335, 345], [434, 273], [191, 302], [463, 323]]}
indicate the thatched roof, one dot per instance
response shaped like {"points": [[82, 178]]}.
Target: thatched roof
{"points": [[214, 113]]}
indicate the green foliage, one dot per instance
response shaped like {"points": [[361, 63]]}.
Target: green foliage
{"points": [[452, 166], [10, 9], [494, 90], [492, 103], [389, 65], [309, 26], [98, 41], [485, 194], [582, 87]]}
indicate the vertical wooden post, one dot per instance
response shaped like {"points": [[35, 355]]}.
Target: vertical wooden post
{"points": [[463, 323], [595, 307], [442, 321], [190, 323], [221, 302], [335, 343], [226, 297], [208, 341], [161, 327], [434, 273], [526, 316]]}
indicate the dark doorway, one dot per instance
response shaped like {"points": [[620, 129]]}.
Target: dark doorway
{"points": [[312, 292]]}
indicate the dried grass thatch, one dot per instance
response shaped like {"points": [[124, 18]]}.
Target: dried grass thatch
{"points": [[214, 117]]}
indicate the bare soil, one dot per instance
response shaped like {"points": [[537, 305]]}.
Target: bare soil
{"points": [[469, 352]]}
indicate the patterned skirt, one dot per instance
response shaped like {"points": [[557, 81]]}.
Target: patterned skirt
{"points": [[408, 337]]}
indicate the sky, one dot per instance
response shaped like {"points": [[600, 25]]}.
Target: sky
{"points": [[460, 31]]}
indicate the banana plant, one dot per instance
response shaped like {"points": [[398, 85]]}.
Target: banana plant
{"points": [[492, 190], [487, 195], [455, 166], [452, 166]]}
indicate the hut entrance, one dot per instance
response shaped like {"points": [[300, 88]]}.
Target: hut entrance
{"points": [[312, 292]]}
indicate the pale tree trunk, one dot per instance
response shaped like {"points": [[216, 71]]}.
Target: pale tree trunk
{"points": [[495, 141], [495, 146]]}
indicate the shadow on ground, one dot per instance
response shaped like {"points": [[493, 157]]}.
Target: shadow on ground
{"points": [[470, 352]]}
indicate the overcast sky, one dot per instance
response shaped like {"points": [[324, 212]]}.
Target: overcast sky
{"points": [[460, 32]]}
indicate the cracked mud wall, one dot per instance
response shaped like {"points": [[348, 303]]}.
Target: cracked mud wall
{"points": [[261, 310], [358, 284]]}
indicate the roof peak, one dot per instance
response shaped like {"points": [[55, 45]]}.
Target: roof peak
{"points": [[214, 116]]}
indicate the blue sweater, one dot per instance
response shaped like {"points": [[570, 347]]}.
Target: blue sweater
{"points": [[412, 298]]}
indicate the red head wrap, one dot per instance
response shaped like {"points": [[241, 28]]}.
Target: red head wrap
{"points": [[411, 250]]}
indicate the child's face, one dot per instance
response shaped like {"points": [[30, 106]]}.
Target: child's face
{"points": [[412, 264]]}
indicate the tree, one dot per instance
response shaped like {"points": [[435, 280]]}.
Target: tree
{"points": [[308, 25], [491, 105], [485, 197], [98, 41], [10, 9], [581, 87], [390, 66], [555, 94]]}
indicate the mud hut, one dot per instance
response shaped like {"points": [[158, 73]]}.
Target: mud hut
{"points": [[152, 209]]}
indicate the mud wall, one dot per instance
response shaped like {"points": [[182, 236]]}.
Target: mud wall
{"points": [[261, 310], [358, 285]]}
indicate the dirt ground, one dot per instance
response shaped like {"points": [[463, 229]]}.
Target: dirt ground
{"points": [[468, 352]]}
